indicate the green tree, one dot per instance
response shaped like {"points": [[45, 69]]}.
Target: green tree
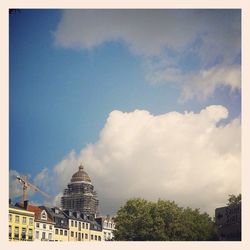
{"points": [[140, 219], [234, 200]]}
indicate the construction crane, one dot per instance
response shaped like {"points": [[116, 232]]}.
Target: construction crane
{"points": [[26, 185]]}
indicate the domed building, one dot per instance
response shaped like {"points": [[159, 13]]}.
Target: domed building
{"points": [[80, 195]]}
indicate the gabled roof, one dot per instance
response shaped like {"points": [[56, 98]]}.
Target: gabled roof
{"points": [[37, 210], [54, 212]]}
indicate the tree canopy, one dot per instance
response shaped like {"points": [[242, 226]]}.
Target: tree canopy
{"points": [[234, 200], [141, 220]]}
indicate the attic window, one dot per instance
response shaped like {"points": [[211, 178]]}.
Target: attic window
{"points": [[44, 215]]}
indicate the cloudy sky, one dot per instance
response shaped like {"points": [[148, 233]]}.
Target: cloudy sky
{"points": [[148, 100]]}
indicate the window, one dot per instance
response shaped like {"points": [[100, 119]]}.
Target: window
{"points": [[65, 233], [95, 237], [10, 217], [87, 225], [24, 220], [75, 223], [83, 225], [16, 233], [44, 215], [37, 225], [79, 225], [76, 235], [72, 223], [30, 236], [10, 233], [86, 236], [92, 237], [61, 232], [30, 221], [43, 235], [82, 236], [72, 234], [23, 233], [50, 227], [56, 231], [44, 226], [37, 234], [50, 236], [17, 219], [99, 238]]}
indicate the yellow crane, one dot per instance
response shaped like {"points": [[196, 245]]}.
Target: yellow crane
{"points": [[26, 185]]}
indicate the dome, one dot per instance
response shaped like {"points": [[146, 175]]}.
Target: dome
{"points": [[80, 175]]}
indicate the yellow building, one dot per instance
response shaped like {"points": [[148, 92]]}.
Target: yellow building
{"points": [[95, 232], [79, 226], [44, 225], [61, 229], [21, 224]]}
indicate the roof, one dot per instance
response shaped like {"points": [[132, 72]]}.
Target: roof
{"points": [[22, 210], [80, 176], [54, 212], [37, 210], [94, 225]]}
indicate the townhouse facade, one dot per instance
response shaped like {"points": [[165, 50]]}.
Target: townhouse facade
{"points": [[95, 231], [61, 227], [21, 224], [79, 226], [108, 227], [43, 224]]}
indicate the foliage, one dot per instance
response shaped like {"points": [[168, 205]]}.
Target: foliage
{"points": [[140, 220], [234, 200]]}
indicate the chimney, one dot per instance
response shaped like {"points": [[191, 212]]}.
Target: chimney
{"points": [[25, 204]]}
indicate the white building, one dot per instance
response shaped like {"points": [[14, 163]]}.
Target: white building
{"points": [[44, 225], [108, 227]]}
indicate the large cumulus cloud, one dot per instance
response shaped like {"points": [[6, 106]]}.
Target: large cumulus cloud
{"points": [[186, 157]]}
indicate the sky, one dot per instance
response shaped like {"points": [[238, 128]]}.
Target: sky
{"points": [[148, 100]]}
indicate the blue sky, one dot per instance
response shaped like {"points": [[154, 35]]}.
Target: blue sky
{"points": [[69, 70]]}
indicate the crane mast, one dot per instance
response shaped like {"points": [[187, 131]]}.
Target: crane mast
{"points": [[26, 184]]}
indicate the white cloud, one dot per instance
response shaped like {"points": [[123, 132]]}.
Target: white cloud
{"points": [[57, 200], [204, 83], [42, 179], [186, 157], [15, 187], [149, 32], [183, 157], [164, 38]]}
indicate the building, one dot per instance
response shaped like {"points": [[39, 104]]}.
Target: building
{"points": [[95, 231], [61, 226], [108, 227], [21, 224], [44, 225], [79, 226], [80, 195], [228, 222]]}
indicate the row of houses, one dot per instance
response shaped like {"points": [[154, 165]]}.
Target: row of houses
{"points": [[42, 223]]}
